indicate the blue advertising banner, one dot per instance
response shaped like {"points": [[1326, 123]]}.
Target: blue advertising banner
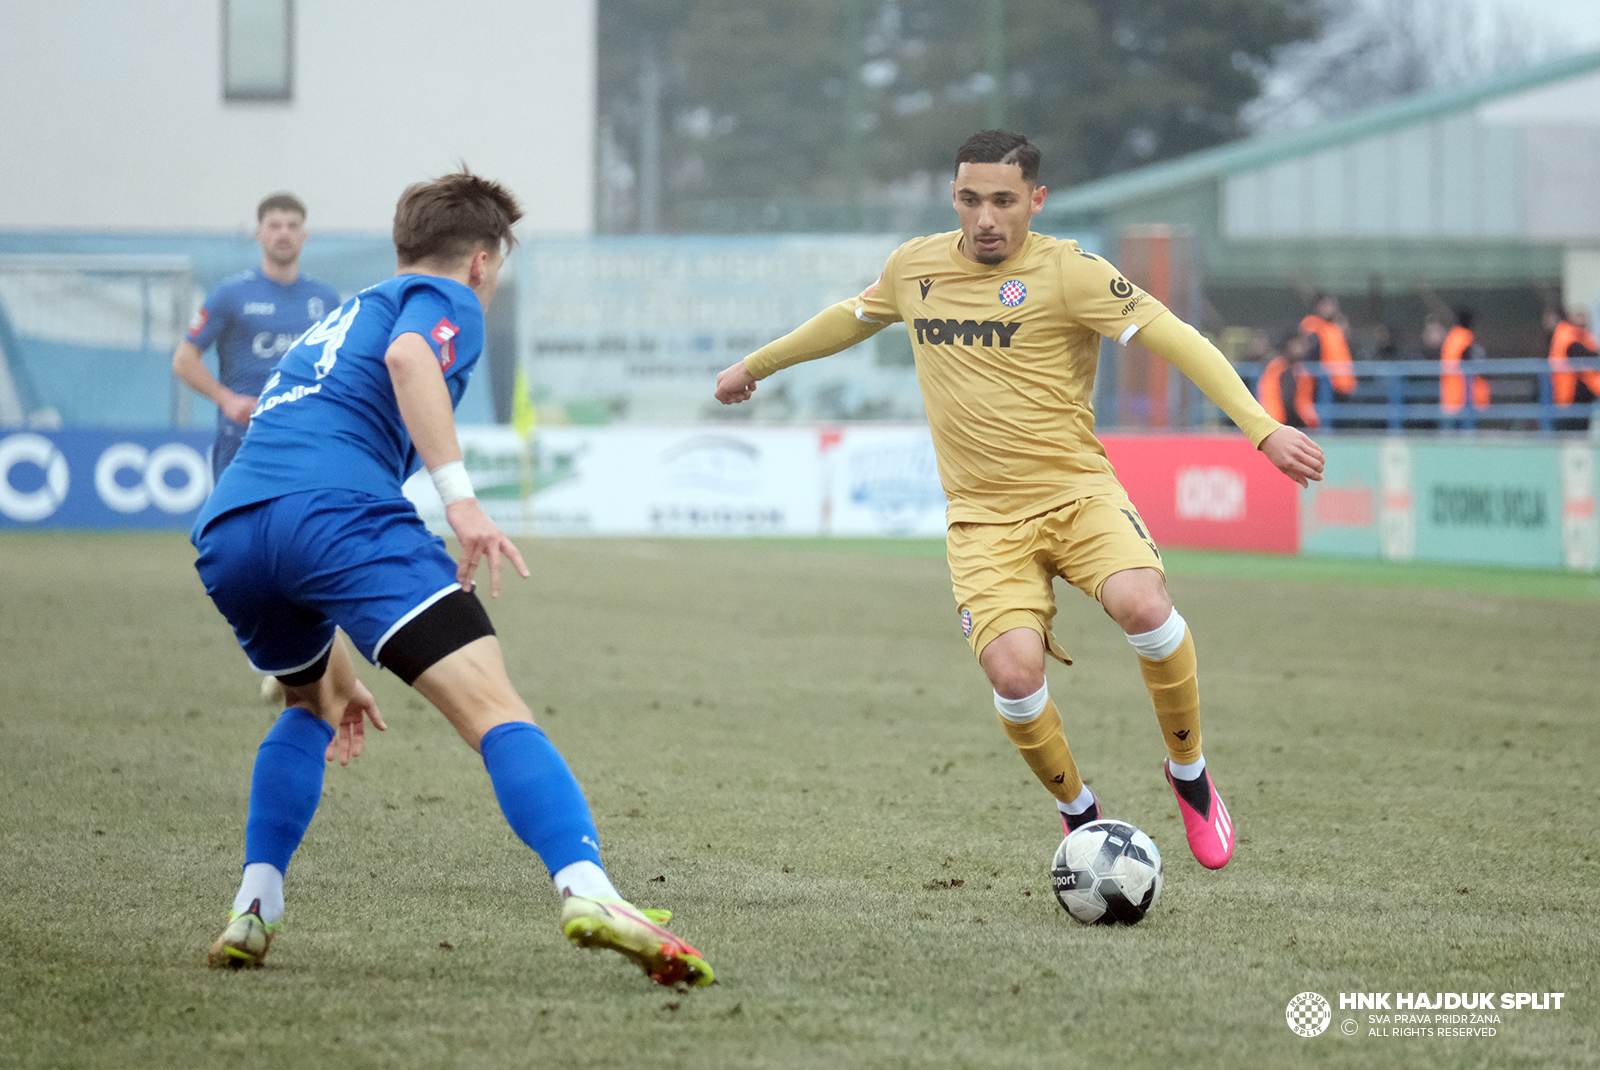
{"points": [[103, 479]]}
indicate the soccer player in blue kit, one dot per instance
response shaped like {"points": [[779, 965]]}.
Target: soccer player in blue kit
{"points": [[253, 318], [308, 529]]}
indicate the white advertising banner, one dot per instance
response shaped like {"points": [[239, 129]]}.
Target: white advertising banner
{"points": [[715, 480], [883, 481]]}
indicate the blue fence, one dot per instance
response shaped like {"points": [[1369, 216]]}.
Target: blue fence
{"points": [[1403, 395]]}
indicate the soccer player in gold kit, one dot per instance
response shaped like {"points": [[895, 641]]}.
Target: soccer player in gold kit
{"points": [[1006, 327]]}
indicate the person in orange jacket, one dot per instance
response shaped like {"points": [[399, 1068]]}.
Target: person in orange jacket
{"points": [[1570, 337], [1326, 327], [1286, 377], [1460, 344]]}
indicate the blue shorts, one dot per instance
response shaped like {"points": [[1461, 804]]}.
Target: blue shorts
{"points": [[285, 572], [229, 437]]}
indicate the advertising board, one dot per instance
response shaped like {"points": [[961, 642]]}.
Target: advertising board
{"points": [[1209, 492], [1521, 504], [103, 479], [1340, 516], [1488, 505], [642, 481]]}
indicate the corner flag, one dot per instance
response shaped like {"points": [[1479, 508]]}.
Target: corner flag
{"points": [[523, 414]]}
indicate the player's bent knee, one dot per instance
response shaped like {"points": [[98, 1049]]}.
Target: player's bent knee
{"points": [[443, 628], [1136, 599], [1014, 662], [1016, 685]]}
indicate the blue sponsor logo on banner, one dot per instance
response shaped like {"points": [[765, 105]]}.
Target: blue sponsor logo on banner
{"points": [[103, 479]]}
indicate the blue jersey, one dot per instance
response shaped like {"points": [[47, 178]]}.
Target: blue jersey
{"points": [[254, 320], [328, 418]]}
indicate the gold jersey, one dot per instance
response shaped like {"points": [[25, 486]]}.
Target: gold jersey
{"points": [[1006, 357]]}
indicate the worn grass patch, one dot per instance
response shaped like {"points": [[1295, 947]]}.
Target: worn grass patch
{"points": [[794, 750]]}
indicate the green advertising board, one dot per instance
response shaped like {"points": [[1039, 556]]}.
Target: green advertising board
{"points": [[1523, 504], [1339, 516], [1488, 505]]}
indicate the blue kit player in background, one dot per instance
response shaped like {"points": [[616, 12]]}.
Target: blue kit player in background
{"points": [[307, 530], [253, 318]]}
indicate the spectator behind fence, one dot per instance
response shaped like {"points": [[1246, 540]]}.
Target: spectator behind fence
{"points": [[1433, 336], [1325, 328], [1570, 337], [1286, 377], [1384, 345], [253, 317], [1460, 344]]}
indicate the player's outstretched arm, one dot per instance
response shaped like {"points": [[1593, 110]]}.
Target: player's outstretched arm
{"points": [[1295, 454], [188, 363], [424, 400], [833, 329], [735, 384], [1186, 349]]}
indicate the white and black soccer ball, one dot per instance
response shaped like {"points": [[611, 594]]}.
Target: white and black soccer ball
{"points": [[1107, 873]]}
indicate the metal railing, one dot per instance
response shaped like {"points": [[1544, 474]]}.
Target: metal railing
{"points": [[1403, 395]]}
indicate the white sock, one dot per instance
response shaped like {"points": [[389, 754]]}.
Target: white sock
{"points": [[584, 879], [1077, 806], [263, 881], [1025, 709], [1189, 770], [1161, 642]]}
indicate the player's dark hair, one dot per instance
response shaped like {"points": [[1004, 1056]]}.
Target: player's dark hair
{"points": [[453, 217], [1464, 317], [280, 202], [1001, 146]]}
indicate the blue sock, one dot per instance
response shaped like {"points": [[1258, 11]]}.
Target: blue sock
{"points": [[285, 787], [539, 795]]}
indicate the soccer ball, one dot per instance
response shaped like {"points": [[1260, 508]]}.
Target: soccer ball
{"points": [[1107, 873]]}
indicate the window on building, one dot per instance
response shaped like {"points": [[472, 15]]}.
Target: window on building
{"points": [[257, 49]]}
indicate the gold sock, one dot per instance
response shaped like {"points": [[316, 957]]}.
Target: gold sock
{"points": [[1175, 692], [1044, 748]]}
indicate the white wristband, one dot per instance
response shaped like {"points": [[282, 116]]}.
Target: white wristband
{"points": [[452, 482]]}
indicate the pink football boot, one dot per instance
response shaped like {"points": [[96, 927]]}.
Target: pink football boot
{"points": [[1205, 819]]}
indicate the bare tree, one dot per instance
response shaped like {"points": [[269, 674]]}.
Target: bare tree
{"points": [[1376, 50]]}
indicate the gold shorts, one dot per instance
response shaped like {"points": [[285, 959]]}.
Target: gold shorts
{"points": [[1002, 573]]}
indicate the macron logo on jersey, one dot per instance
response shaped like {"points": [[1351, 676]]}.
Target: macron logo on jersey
{"points": [[259, 308], [444, 333]]}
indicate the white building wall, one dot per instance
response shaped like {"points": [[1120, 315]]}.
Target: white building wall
{"points": [[1524, 167], [112, 114]]}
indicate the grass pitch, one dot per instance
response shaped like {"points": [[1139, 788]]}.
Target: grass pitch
{"points": [[790, 745]]}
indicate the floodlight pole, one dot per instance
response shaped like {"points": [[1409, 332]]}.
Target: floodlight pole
{"points": [[854, 102], [995, 32], [650, 141]]}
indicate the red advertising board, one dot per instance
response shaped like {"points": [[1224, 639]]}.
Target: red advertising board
{"points": [[1207, 492]]}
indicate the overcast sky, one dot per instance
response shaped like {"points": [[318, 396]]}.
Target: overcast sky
{"points": [[1576, 22]]}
